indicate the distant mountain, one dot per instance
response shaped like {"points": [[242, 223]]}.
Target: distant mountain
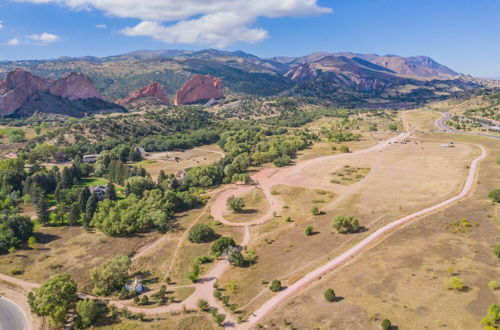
{"points": [[414, 67], [342, 77]]}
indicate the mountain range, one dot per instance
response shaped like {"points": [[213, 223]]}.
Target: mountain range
{"points": [[344, 78]]}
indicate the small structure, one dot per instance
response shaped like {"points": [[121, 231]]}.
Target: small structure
{"points": [[180, 174], [89, 158], [99, 191], [12, 155], [134, 285], [448, 145], [142, 151]]}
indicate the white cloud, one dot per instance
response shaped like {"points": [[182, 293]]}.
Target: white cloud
{"points": [[1, 25], [212, 22], [13, 42], [101, 26], [44, 38]]}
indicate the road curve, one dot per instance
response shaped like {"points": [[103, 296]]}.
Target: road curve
{"points": [[441, 123], [360, 247], [11, 316]]}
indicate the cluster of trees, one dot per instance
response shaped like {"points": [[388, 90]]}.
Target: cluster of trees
{"points": [[15, 229], [337, 135], [345, 224]]}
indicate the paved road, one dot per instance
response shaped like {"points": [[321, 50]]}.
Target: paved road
{"points": [[11, 316], [441, 123]]}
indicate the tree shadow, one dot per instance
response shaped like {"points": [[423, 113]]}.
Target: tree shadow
{"points": [[42, 238], [247, 211]]}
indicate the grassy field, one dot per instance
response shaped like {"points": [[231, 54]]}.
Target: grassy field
{"points": [[405, 178], [420, 119], [157, 161], [255, 206], [190, 321], [403, 277]]}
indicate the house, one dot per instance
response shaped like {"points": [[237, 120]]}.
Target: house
{"points": [[99, 191], [448, 145], [142, 151], [90, 158], [12, 155], [134, 285]]}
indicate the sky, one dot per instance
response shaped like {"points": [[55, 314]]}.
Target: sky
{"points": [[462, 34]]}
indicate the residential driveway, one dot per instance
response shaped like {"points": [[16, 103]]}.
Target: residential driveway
{"points": [[11, 316]]}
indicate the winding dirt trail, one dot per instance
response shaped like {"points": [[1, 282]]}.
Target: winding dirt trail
{"points": [[266, 179]]}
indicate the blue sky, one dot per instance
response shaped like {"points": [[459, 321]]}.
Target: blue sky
{"points": [[463, 34]]}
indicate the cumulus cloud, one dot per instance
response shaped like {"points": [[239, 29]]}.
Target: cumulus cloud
{"points": [[44, 38], [212, 22], [13, 42], [101, 26]]}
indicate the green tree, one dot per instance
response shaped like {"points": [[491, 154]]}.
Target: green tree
{"points": [[221, 245], [330, 295], [194, 276], [83, 198], [111, 192], [315, 210], [32, 242], [494, 195], [90, 209], [201, 233], [42, 209], [74, 214], [235, 257], [496, 251], [386, 324], [275, 286], [137, 185], [235, 204], [111, 276], [492, 319], [66, 178], [161, 177], [134, 155], [58, 192], [89, 311], [345, 224], [144, 300], [309, 230], [54, 298], [454, 283]]}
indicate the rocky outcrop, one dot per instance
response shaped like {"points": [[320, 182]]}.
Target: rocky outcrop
{"points": [[199, 89], [16, 88], [75, 86], [154, 90], [20, 85]]}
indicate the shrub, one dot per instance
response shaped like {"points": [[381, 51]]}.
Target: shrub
{"points": [[493, 285], [344, 149], [308, 230], [275, 286], [330, 295], [201, 233], [88, 310], [386, 324], [494, 195], [454, 283], [496, 251], [315, 210], [492, 318], [235, 204], [345, 224], [221, 245], [16, 271], [203, 305]]}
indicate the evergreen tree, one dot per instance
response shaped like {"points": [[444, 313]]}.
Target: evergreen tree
{"points": [[57, 193], [66, 178], [90, 209], [161, 177], [27, 186], [111, 192], [42, 209], [83, 198], [74, 214], [134, 155]]}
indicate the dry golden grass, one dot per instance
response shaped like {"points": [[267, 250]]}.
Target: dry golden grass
{"points": [[420, 119], [191, 321], [402, 278], [348, 175], [404, 178], [256, 206], [157, 161], [70, 250]]}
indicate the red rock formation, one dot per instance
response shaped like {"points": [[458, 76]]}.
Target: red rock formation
{"points": [[154, 90], [16, 88], [75, 86], [199, 88], [19, 85]]}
